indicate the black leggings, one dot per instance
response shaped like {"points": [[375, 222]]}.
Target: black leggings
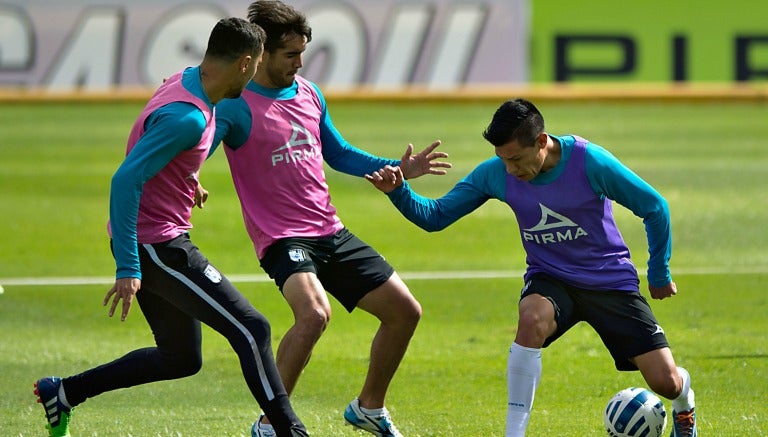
{"points": [[179, 290]]}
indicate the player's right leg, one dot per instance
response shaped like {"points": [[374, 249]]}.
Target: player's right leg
{"points": [[544, 307], [177, 354], [536, 322], [50, 394], [291, 263], [312, 313]]}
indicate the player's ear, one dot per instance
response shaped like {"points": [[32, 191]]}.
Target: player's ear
{"points": [[541, 140], [245, 62]]}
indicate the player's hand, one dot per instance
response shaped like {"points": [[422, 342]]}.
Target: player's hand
{"points": [[668, 290], [201, 196], [424, 162], [386, 179], [124, 289]]}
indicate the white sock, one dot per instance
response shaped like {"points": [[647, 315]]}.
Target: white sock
{"points": [[684, 402], [372, 411], [523, 375]]}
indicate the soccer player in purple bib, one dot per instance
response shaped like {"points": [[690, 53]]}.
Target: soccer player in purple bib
{"points": [[151, 202], [277, 137], [561, 189]]}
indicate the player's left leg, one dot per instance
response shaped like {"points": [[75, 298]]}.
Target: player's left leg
{"points": [[660, 372], [359, 277], [665, 378], [635, 339], [399, 313]]}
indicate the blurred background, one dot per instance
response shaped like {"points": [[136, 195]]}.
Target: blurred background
{"points": [[395, 45]]}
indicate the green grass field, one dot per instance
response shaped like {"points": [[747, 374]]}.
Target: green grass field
{"points": [[709, 160]]}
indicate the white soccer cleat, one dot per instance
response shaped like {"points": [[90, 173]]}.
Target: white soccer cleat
{"points": [[379, 425], [265, 430]]}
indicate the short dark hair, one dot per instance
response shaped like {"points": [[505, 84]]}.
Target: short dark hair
{"points": [[233, 37], [278, 21], [515, 120]]}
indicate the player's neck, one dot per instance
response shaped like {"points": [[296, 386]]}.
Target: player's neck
{"points": [[209, 82], [553, 154]]}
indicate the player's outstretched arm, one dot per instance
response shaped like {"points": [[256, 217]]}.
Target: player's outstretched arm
{"points": [[424, 162], [386, 179], [429, 214]]}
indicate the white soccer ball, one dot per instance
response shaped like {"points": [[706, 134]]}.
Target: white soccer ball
{"points": [[635, 412]]}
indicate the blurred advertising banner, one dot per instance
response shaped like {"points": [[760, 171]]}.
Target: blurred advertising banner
{"points": [[650, 41], [381, 44]]}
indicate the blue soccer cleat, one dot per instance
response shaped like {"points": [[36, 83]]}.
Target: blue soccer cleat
{"points": [[684, 424], [57, 413]]}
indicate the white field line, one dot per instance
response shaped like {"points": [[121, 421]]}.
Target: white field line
{"points": [[426, 275]]}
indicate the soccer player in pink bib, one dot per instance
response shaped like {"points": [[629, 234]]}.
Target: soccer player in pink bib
{"points": [[276, 138], [176, 287]]}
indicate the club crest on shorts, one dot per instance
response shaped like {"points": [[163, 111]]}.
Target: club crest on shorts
{"points": [[297, 255], [212, 274]]}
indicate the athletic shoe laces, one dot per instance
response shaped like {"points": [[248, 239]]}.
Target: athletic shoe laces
{"points": [[685, 423]]}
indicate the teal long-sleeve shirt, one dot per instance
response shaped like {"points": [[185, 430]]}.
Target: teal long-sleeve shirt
{"points": [[607, 176], [169, 130]]}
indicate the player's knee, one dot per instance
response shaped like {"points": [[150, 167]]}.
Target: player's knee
{"points": [[185, 364], [410, 313], [193, 365], [533, 329], [259, 326], [404, 316], [314, 322], [670, 386], [415, 314]]}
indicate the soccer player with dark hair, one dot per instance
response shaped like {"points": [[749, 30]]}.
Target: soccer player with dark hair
{"points": [[277, 137], [561, 189], [151, 201]]}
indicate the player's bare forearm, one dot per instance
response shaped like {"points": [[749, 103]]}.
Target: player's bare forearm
{"points": [[424, 162]]}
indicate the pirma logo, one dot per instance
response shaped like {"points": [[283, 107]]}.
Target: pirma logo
{"points": [[289, 153], [553, 228]]}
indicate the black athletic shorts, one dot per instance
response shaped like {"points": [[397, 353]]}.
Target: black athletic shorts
{"points": [[623, 320], [346, 266]]}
